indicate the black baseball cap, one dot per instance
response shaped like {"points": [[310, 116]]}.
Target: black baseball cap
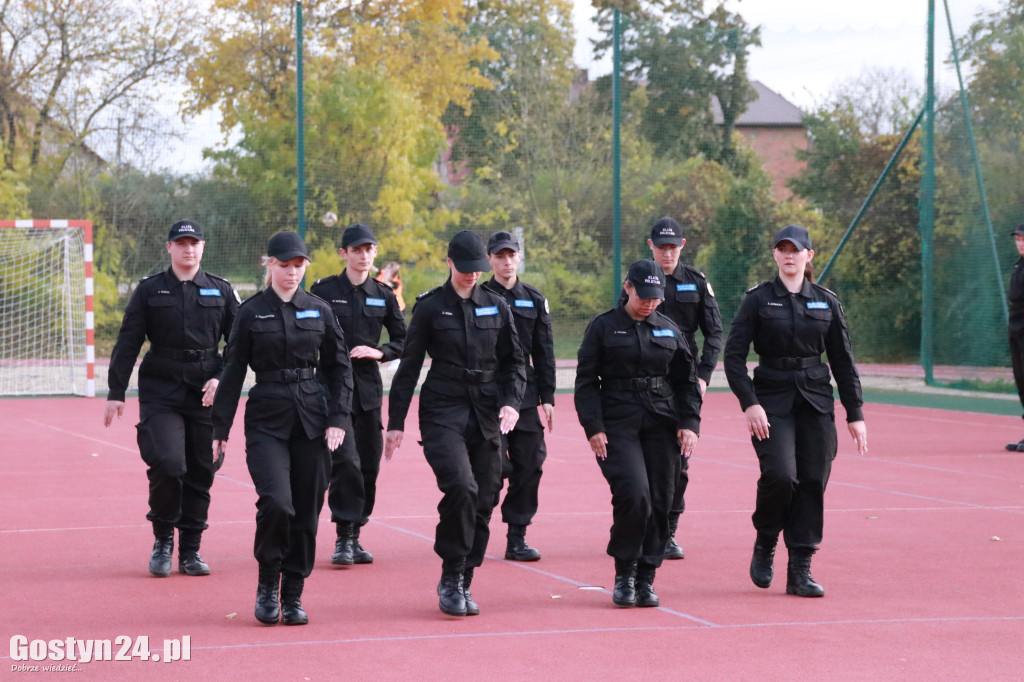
{"points": [[185, 228], [357, 234], [1018, 230], [501, 240], [286, 245], [796, 234], [467, 252], [666, 231], [647, 278]]}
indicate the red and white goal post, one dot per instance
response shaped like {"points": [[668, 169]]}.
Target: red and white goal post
{"points": [[46, 308]]}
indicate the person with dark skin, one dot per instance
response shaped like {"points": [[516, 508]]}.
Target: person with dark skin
{"points": [[471, 396], [184, 312], [294, 419], [789, 405], [364, 307], [638, 400], [524, 450], [690, 303], [1015, 330]]}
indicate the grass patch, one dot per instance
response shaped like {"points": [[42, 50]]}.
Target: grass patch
{"points": [[997, 386]]}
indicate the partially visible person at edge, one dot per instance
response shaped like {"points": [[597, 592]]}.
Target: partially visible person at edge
{"points": [[294, 418], [471, 396], [690, 303], [1015, 331], [523, 450], [184, 312], [638, 400], [390, 275], [363, 307], [789, 406]]}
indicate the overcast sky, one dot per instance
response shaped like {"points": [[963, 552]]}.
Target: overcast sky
{"points": [[808, 47]]}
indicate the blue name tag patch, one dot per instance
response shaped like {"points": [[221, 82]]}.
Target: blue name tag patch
{"points": [[686, 287], [303, 314], [664, 332], [490, 310], [521, 303], [377, 302], [209, 292], [817, 305]]}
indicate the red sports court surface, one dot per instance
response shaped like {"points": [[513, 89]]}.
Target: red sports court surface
{"points": [[923, 565]]}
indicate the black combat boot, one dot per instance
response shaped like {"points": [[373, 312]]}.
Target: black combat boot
{"points": [[163, 550], [359, 555], [645, 595], [268, 609], [517, 549], [189, 561], [624, 593], [798, 577], [672, 549], [291, 599], [343, 554], [449, 590], [761, 569], [472, 608]]}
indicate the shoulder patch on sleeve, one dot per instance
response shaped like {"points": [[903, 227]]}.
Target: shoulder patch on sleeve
{"points": [[428, 293]]}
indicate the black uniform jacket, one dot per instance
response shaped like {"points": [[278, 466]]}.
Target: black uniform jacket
{"points": [[691, 304], [271, 335], [175, 316], [792, 329], [362, 312], [533, 323], [476, 361], [617, 348], [1016, 298]]}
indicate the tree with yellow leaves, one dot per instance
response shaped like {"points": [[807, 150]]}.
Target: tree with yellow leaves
{"points": [[378, 77]]}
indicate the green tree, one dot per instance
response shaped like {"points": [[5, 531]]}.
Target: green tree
{"points": [[686, 58], [881, 262], [379, 76]]}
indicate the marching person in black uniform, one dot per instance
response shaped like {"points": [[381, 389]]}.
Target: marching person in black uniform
{"points": [[638, 401], [363, 307], [301, 400], [183, 312], [690, 303], [470, 397], [1016, 327], [789, 406], [523, 449]]}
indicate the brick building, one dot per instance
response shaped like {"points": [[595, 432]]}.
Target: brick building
{"points": [[773, 127]]}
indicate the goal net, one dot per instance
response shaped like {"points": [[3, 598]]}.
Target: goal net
{"points": [[46, 319]]}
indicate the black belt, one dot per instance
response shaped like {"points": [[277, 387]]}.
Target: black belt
{"points": [[184, 355], [285, 376], [790, 363], [634, 384], [472, 376]]}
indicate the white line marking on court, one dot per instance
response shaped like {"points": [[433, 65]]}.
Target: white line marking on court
{"points": [[554, 576], [78, 435], [887, 490], [577, 631]]}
